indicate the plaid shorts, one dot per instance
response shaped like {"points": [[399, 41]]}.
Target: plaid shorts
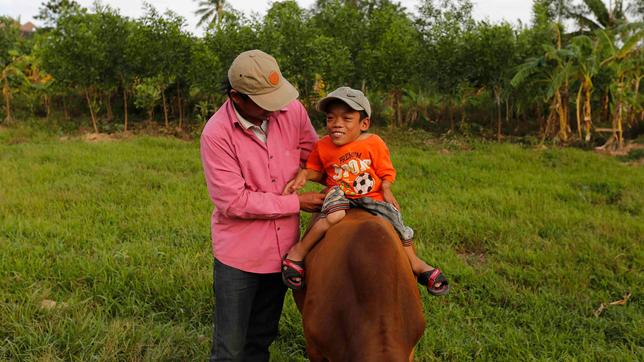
{"points": [[336, 201]]}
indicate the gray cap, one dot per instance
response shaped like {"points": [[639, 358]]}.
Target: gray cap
{"points": [[352, 97]]}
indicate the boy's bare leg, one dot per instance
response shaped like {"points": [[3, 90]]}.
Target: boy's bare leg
{"points": [[418, 265], [299, 250], [315, 233]]}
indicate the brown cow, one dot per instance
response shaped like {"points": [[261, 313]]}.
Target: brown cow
{"points": [[361, 302]]}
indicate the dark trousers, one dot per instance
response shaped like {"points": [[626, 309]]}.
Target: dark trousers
{"points": [[247, 313]]}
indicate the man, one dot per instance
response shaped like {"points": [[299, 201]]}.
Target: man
{"points": [[250, 148]]}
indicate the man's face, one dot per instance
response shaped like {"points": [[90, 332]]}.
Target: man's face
{"points": [[343, 123], [249, 109]]}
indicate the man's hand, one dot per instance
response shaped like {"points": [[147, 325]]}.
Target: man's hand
{"points": [[295, 184], [311, 201]]}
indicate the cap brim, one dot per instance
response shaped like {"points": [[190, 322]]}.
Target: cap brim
{"points": [[321, 106], [277, 99]]}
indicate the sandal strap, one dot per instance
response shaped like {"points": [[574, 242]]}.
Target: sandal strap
{"points": [[433, 276], [297, 266]]}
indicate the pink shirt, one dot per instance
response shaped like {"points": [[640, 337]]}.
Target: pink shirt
{"points": [[253, 225]]}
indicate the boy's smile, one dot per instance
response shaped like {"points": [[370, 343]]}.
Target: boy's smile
{"points": [[343, 123]]}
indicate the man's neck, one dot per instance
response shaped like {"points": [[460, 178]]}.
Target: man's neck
{"points": [[255, 122]]}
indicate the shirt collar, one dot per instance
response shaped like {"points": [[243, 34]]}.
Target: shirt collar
{"points": [[247, 124]]}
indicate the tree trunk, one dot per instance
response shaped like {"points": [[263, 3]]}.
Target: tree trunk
{"points": [[65, 110], [497, 98], [48, 106], [617, 122], [165, 110], [578, 110], [450, 111], [507, 112], [450, 114], [565, 124], [561, 112], [397, 108], [179, 101], [605, 108], [462, 121], [125, 122], [587, 112], [91, 110], [108, 104], [6, 92]]}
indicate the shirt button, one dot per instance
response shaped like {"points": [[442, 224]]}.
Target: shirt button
{"points": [[271, 157], [273, 180], [279, 228]]}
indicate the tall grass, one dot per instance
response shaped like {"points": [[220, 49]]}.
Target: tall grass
{"points": [[105, 251]]}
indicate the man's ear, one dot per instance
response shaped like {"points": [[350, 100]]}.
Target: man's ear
{"points": [[365, 123], [234, 95]]}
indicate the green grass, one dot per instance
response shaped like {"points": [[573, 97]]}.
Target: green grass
{"points": [[117, 234]]}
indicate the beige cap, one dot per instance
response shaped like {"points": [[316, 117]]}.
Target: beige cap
{"points": [[352, 97], [257, 74]]}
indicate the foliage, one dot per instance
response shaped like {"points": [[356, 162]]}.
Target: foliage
{"points": [[471, 70], [147, 94]]}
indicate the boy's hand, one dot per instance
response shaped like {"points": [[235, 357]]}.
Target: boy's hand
{"points": [[389, 197], [295, 184]]}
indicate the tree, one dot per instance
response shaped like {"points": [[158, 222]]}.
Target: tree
{"points": [[443, 54], [165, 52], [340, 33], [285, 35], [51, 10], [624, 61], [9, 59], [586, 65], [147, 94], [552, 71], [594, 14], [74, 54], [204, 76], [210, 12], [492, 47]]}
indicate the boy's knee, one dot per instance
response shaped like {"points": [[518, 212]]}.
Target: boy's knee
{"points": [[335, 217]]}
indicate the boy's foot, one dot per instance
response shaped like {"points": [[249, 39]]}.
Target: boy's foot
{"points": [[435, 282], [293, 273]]}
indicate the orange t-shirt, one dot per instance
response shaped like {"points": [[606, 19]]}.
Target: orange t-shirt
{"points": [[358, 167]]}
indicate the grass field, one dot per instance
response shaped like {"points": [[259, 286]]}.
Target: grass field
{"points": [[105, 251]]}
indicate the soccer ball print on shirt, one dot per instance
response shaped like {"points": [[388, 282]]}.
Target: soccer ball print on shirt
{"points": [[363, 184], [354, 175]]}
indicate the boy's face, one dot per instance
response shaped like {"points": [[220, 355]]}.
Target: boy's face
{"points": [[344, 124]]}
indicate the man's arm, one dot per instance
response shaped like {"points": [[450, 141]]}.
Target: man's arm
{"points": [[228, 193]]}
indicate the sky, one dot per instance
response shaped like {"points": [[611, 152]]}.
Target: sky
{"points": [[493, 10]]}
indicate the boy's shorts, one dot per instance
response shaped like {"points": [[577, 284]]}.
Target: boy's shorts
{"points": [[335, 200]]}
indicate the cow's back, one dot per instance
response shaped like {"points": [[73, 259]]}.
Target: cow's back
{"points": [[361, 302]]}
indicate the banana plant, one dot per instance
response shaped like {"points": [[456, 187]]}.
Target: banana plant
{"points": [[586, 64], [624, 61], [12, 73]]}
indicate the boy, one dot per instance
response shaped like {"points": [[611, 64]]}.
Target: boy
{"points": [[359, 173]]}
